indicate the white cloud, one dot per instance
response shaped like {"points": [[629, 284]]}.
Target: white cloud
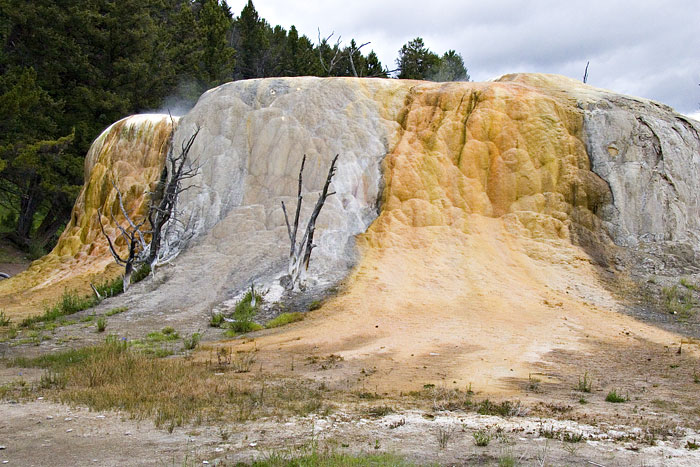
{"points": [[645, 48]]}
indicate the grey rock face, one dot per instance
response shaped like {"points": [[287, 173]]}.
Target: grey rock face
{"points": [[253, 135], [650, 157]]}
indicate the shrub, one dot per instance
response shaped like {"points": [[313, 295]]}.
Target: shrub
{"points": [[614, 397], [585, 384], [244, 313], [141, 273], [101, 324], [482, 437], [4, 320], [190, 343], [216, 320]]}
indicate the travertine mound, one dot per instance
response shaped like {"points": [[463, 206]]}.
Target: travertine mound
{"points": [[529, 167], [130, 154]]}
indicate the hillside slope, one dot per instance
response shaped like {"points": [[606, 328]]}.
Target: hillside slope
{"points": [[476, 227]]}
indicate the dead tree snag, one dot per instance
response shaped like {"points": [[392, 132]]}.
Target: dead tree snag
{"points": [[300, 253]]}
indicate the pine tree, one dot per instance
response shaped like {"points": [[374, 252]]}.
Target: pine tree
{"points": [[417, 61]]}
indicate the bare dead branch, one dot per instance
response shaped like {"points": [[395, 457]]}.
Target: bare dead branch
{"points": [[351, 52], [116, 256]]}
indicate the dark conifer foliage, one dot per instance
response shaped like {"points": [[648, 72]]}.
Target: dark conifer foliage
{"points": [[70, 68]]}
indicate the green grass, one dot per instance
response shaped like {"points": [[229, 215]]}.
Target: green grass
{"points": [[69, 303], [110, 287], [164, 335], [116, 311], [332, 459], [191, 342], [171, 392], [284, 318], [615, 398], [56, 361], [4, 320], [101, 324], [245, 312], [678, 301], [585, 384]]}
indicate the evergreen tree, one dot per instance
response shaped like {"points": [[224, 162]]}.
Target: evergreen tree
{"points": [[251, 42], [217, 55], [416, 61], [451, 68]]}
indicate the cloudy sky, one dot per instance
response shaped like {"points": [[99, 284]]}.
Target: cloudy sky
{"points": [[644, 48]]}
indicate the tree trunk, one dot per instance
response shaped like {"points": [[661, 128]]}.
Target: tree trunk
{"points": [[29, 204]]}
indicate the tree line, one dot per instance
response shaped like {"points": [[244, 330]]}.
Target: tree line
{"points": [[69, 68]]}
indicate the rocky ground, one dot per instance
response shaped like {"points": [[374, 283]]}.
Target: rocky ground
{"points": [[551, 420]]}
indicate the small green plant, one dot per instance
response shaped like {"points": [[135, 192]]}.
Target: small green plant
{"points": [[110, 287], [615, 398], [533, 383], [101, 324], [4, 320], [692, 445], [444, 435], [582, 400], [507, 460], [284, 318], [482, 437], [688, 285], [190, 343], [116, 311], [585, 384], [244, 313], [315, 305], [69, 303], [678, 301], [216, 320], [141, 273], [571, 437], [380, 411], [52, 379], [696, 378]]}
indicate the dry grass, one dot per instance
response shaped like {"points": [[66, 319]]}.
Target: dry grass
{"points": [[173, 392]]}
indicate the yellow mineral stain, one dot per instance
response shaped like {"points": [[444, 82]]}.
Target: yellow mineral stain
{"points": [[465, 276], [131, 153]]}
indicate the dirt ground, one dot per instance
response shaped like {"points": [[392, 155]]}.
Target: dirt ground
{"points": [[550, 322]]}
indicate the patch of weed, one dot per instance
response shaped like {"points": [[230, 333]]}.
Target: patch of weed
{"points": [[615, 398], [216, 320], [245, 312], [585, 384], [678, 301], [380, 411], [69, 303], [116, 311], [482, 437], [191, 342], [101, 324], [4, 320], [284, 318]]}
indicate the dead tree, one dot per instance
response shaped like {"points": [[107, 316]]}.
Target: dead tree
{"points": [[336, 48], [300, 253], [162, 212], [351, 51]]}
